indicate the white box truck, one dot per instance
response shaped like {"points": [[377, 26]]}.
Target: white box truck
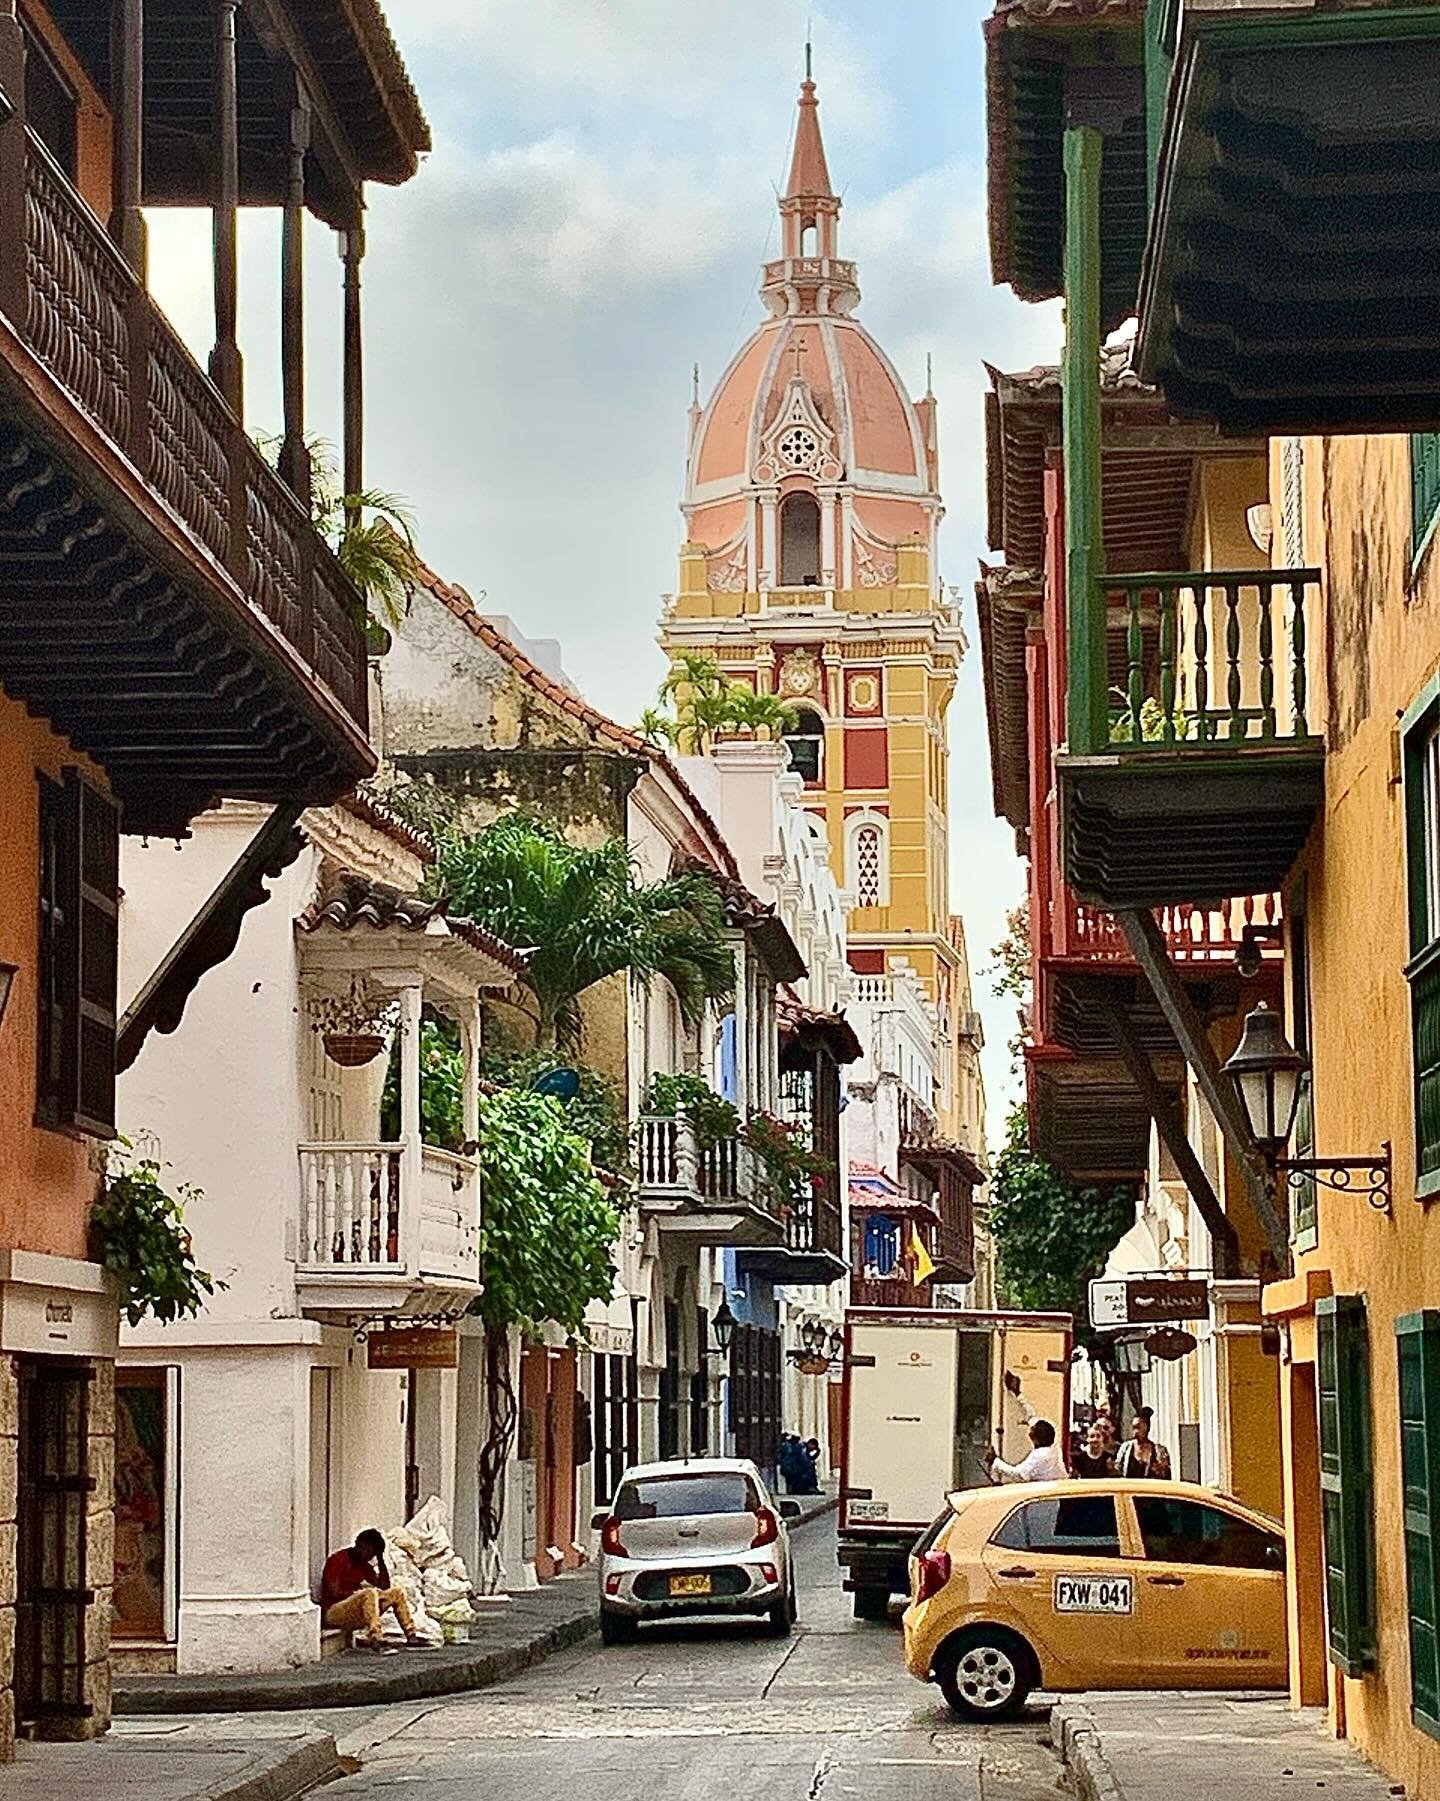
{"points": [[924, 1393]]}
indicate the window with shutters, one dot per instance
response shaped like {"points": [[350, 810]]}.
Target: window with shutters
{"points": [[1346, 1488], [1417, 1339], [1420, 764], [1425, 486], [77, 966]]}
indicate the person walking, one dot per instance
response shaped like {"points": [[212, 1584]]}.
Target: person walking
{"points": [[1143, 1457]]}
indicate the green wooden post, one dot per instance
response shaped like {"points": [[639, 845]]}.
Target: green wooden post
{"points": [[1088, 712]]}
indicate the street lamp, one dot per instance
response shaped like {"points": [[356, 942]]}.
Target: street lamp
{"points": [[812, 1335], [7, 980], [724, 1324], [1267, 1069], [836, 1345]]}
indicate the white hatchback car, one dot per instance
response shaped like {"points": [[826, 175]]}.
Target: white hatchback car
{"points": [[696, 1535]]}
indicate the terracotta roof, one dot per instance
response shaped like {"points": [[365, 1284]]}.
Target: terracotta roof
{"points": [[458, 602], [352, 902], [385, 819], [796, 1019], [759, 920]]}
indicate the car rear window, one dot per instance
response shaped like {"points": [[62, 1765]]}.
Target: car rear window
{"points": [[680, 1497], [931, 1534], [1078, 1525]]}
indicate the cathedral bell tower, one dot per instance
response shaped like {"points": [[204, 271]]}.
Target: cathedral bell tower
{"points": [[808, 570]]}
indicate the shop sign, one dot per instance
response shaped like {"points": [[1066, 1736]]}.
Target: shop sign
{"points": [[413, 1348], [1148, 1300]]}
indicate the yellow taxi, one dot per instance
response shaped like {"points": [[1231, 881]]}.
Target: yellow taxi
{"points": [[1094, 1585]]}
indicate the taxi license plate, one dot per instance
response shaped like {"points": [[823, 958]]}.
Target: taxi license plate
{"points": [[1094, 1594], [689, 1585]]}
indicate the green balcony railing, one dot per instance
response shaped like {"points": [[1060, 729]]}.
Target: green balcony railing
{"points": [[1211, 659]]}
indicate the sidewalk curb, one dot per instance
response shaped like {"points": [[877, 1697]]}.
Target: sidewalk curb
{"points": [[1077, 1740], [306, 1767]]}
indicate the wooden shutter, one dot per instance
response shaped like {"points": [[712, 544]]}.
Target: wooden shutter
{"points": [[56, 968], [1345, 1481], [1425, 478], [1417, 1337], [97, 923]]}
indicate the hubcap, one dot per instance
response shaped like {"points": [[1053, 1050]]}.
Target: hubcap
{"points": [[986, 1677]]}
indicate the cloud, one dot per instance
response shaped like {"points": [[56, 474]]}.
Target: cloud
{"points": [[591, 222]]}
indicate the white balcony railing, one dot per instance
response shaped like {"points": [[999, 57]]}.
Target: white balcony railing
{"points": [[381, 1209], [672, 1164]]}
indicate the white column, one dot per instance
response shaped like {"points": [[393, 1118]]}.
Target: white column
{"points": [[769, 551], [744, 1069], [827, 498], [470, 1045], [847, 541], [410, 1161]]}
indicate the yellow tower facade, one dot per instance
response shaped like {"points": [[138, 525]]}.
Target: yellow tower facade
{"points": [[809, 571]]}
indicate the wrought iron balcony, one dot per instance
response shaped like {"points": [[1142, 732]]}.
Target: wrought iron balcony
{"points": [[213, 644], [707, 1194], [384, 1225], [1199, 779]]}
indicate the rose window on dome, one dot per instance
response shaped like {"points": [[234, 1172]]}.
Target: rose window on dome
{"points": [[867, 870], [799, 447]]}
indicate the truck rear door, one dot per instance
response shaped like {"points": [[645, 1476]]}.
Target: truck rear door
{"points": [[900, 1436]]}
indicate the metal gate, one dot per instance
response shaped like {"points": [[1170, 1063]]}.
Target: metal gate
{"points": [[54, 1491]]}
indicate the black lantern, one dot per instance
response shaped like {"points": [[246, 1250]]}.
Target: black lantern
{"points": [[1267, 1069], [837, 1344], [811, 1335], [724, 1327]]}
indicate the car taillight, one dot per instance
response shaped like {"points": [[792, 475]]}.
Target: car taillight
{"points": [[934, 1574], [767, 1528], [610, 1541]]}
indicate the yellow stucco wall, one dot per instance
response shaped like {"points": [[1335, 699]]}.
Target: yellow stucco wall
{"points": [[1380, 645], [919, 682]]}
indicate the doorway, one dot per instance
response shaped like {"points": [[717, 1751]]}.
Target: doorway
{"points": [[53, 1496]]}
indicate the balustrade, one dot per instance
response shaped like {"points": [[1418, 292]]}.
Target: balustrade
{"points": [[356, 1215], [87, 318], [1212, 933], [1213, 659]]}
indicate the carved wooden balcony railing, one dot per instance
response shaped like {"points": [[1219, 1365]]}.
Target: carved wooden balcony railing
{"points": [[1214, 659], [84, 314], [1213, 933]]}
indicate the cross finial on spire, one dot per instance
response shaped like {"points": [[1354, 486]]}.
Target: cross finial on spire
{"points": [[929, 383], [809, 175], [809, 72], [694, 384]]}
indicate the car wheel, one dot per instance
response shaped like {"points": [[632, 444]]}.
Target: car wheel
{"points": [[872, 1603], [782, 1618], [616, 1628], [986, 1674]]}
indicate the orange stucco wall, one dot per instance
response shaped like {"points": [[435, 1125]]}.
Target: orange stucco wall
{"points": [[45, 1178]]}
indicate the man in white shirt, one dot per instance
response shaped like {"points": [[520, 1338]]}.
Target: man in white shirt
{"points": [[1043, 1462]]}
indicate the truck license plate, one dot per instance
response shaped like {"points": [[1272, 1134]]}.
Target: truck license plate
{"points": [[689, 1585], [869, 1510], [1094, 1594]]}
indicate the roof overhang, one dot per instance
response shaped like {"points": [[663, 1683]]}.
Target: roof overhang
{"points": [[1008, 603], [1292, 278], [1032, 48]]}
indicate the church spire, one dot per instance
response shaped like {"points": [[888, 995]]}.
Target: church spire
{"points": [[809, 277], [809, 175]]}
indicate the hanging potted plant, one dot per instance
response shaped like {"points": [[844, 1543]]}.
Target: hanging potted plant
{"points": [[354, 1027]]}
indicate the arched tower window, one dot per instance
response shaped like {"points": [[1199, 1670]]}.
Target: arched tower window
{"points": [[799, 541], [806, 739]]}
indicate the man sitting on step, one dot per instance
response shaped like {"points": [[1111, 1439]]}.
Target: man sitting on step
{"points": [[356, 1592]]}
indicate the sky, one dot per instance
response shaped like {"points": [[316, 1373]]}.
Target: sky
{"points": [[591, 224]]}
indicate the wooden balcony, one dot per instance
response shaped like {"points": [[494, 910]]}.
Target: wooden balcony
{"points": [[889, 1291], [707, 1195], [213, 645], [1291, 279], [813, 1248], [1200, 778], [386, 1226]]}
